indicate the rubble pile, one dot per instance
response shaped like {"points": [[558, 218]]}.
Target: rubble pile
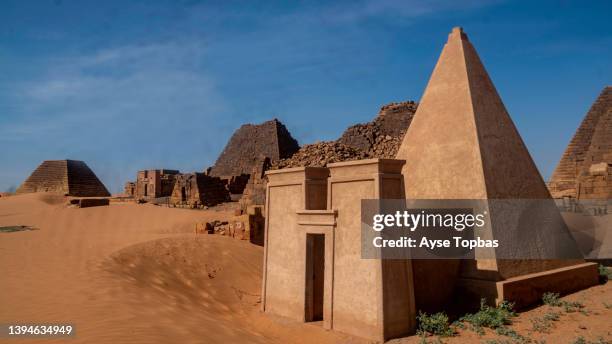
{"points": [[380, 138], [376, 137], [386, 146], [321, 154], [249, 226]]}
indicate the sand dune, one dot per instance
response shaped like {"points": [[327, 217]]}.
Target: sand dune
{"points": [[131, 273]]}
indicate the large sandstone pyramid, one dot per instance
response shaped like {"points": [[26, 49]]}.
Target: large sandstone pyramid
{"points": [[251, 144], [463, 145], [585, 170], [69, 177]]}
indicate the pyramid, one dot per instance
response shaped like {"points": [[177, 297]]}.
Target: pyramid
{"points": [[250, 144], [68, 177], [585, 170], [463, 145]]}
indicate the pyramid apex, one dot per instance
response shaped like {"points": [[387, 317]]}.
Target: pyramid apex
{"points": [[457, 33]]}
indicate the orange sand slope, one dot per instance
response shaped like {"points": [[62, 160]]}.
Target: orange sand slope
{"points": [[131, 273]]}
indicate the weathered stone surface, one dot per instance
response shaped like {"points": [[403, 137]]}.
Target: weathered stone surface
{"points": [[255, 189], [129, 189], [321, 154], [204, 228], [236, 184], [93, 202], [251, 143], [151, 184], [381, 137], [197, 190], [585, 169], [69, 177]]}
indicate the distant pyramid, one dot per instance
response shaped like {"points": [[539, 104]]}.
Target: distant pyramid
{"points": [[69, 177], [250, 144], [462, 144], [585, 170]]}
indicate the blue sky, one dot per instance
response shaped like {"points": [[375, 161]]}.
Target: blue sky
{"points": [[147, 84]]}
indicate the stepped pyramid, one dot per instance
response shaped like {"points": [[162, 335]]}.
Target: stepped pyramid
{"points": [[68, 177], [462, 144], [251, 144], [585, 170]]}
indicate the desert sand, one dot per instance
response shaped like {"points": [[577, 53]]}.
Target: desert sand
{"points": [[129, 273]]}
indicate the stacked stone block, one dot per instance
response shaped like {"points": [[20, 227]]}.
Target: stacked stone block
{"points": [[584, 171], [69, 177], [251, 143], [196, 190], [151, 184]]}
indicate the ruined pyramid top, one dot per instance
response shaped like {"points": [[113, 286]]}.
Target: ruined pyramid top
{"points": [[583, 169], [252, 143], [462, 143], [69, 177]]}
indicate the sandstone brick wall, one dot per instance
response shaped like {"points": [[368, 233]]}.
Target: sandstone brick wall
{"points": [[255, 190], [129, 189], [70, 177], [590, 146], [154, 183], [50, 176], [251, 143], [196, 190]]}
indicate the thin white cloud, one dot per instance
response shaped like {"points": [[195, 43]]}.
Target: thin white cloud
{"points": [[122, 84], [399, 9]]}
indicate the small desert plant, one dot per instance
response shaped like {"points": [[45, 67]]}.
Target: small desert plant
{"points": [[581, 340], [605, 273], [607, 305], [540, 325], [508, 332], [571, 307], [517, 340], [552, 299], [498, 341], [434, 324], [552, 316], [491, 317], [433, 341]]}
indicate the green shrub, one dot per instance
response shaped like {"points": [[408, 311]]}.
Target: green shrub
{"points": [[435, 324], [508, 332], [581, 340], [540, 325], [433, 341], [605, 273], [571, 307], [552, 316], [491, 317], [551, 299]]}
